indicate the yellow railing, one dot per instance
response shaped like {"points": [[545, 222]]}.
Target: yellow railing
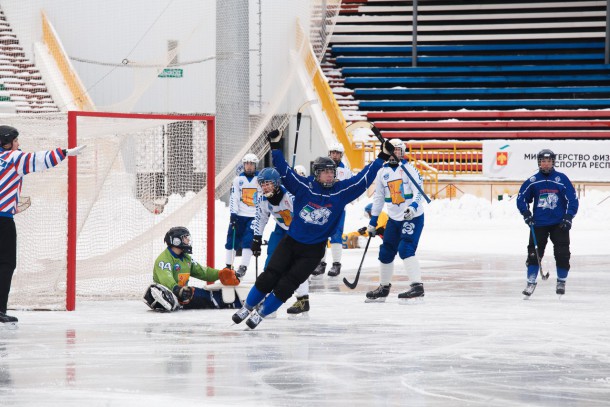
{"points": [[457, 158], [353, 153], [51, 40]]}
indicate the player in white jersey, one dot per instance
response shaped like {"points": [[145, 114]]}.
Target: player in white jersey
{"points": [[403, 230], [242, 204], [335, 152], [275, 202], [14, 165]]}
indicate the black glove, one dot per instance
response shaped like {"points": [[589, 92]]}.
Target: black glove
{"points": [[362, 230], [274, 137], [184, 294], [528, 217], [256, 245], [566, 223], [380, 232], [233, 221], [386, 151]]}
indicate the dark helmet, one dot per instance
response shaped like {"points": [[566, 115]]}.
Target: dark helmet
{"points": [[368, 209], [546, 154], [324, 163], [7, 135], [269, 175], [176, 237]]}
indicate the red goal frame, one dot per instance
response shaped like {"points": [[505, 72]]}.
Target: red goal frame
{"points": [[72, 186]]}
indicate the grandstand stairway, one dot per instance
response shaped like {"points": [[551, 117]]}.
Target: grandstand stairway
{"points": [[22, 89], [484, 69]]}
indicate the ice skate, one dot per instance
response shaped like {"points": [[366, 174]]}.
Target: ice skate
{"points": [[379, 294], [335, 269], [321, 269], [413, 295], [254, 320], [300, 309], [241, 271], [7, 321], [561, 288], [240, 315], [529, 290]]}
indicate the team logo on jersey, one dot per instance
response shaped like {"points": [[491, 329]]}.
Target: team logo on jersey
{"points": [[396, 193], [3, 164], [316, 216], [548, 201], [248, 196], [177, 267], [532, 178], [386, 176], [408, 228], [557, 179]]}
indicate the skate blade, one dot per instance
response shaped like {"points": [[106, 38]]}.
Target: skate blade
{"points": [[527, 297], [375, 299], [302, 315], [411, 301]]}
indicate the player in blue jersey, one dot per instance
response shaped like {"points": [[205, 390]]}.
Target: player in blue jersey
{"points": [[555, 204], [14, 165], [335, 152], [318, 207], [276, 202], [242, 204]]}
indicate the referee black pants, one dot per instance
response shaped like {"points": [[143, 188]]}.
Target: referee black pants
{"points": [[8, 258]]}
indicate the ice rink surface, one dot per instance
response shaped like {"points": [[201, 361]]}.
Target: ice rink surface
{"points": [[473, 341]]}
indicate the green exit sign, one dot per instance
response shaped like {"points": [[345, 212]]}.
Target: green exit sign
{"points": [[171, 73]]}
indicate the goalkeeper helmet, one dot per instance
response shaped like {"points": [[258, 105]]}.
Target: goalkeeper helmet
{"points": [[322, 164], [7, 135], [179, 237], [269, 175], [546, 154]]}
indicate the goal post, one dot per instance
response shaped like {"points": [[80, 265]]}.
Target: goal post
{"points": [[108, 209]]}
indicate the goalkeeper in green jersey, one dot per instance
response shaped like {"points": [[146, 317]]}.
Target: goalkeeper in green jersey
{"points": [[171, 274]]}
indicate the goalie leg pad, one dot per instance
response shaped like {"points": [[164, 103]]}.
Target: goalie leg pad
{"points": [[160, 298]]}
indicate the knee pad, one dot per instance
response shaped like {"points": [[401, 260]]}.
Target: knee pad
{"points": [[160, 298], [532, 260], [562, 256], [386, 255]]}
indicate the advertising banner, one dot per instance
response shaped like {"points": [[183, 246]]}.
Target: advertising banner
{"points": [[580, 160]]}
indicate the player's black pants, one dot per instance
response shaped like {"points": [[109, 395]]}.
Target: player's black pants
{"points": [[8, 258], [561, 245], [290, 265]]}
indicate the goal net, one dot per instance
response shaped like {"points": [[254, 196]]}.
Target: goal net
{"points": [[97, 222]]}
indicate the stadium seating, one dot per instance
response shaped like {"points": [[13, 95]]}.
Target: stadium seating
{"points": [[493, 56]]}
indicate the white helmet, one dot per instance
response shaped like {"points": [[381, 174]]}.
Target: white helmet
{"points": [[250, 158], [397, 143], [299, 169], [337, 147]]}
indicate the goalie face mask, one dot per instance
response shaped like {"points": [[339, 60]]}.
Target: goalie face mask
{"points": [[179, 237]]}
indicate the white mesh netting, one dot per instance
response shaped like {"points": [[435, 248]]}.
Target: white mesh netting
{"points": [[137, 178]]}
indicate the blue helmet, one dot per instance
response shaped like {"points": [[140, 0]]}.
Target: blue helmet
{"points": [[368, 209], [269, 175]]}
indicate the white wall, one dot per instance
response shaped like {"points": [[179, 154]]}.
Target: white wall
{"points": [[110, 31]]}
